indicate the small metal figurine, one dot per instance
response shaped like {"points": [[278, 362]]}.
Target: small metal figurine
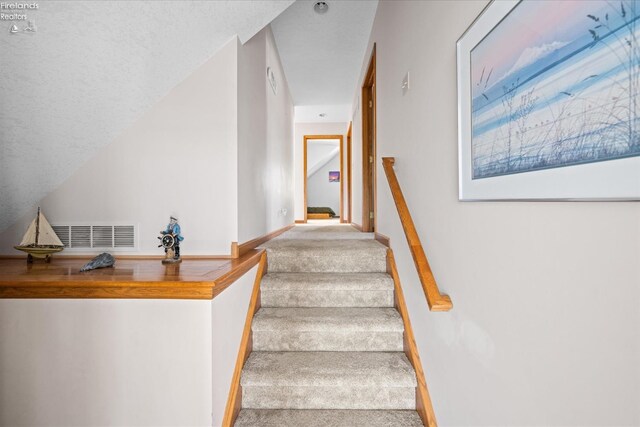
{"points": [[170, 240]]}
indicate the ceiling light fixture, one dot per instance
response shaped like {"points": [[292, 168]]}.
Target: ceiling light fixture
{"points": [[321, 7]]}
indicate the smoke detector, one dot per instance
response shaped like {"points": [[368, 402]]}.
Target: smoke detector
{"points": [[321, 7], [323, 115]]}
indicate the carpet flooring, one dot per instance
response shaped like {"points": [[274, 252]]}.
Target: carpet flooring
{"points": [[327, 340]]}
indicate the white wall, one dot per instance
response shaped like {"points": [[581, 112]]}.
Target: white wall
{"points": [[229, 311], [319, 152], [228, 138], [265, 132], [321, 192], [66, 93], [280, 116], [120, 362], [252, 143], [106, 362], [302, 129], [265, 128], [180, 158], [545, 328]]}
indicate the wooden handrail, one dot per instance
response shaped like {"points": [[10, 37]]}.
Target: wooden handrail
{"points": [[436, 300]]}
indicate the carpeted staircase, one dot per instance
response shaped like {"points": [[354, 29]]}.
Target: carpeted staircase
{"points": [[327, 340]]}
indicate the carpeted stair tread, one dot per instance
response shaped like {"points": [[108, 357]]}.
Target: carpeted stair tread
{"points": [[310, 230], [327, 344], [327, 319], [333, 235], [328, 369], [327, 418], [330, 256], [324, 246], [327, 290], [327, 329], [327, 282]]}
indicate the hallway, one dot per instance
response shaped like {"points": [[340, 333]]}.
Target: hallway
{"points": [[521, 285]]}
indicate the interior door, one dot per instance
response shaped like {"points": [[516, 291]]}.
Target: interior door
{"points": [[369, 147], [372, 157]]}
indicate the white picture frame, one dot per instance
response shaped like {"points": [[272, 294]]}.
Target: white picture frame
{"points": [[614, 179]]}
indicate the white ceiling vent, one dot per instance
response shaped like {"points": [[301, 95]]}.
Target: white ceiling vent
{"points": [[97, 236]]}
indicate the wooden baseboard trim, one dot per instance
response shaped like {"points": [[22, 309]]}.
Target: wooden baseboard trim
{"points": [[356, 226], [235, 250], [423, 400], [248, 261], [383, 239], [234, 401], [239, 249], [300, 221]]}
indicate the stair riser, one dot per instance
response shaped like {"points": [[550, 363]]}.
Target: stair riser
{"points": [[287, 397], [326, 298], [355, 262], [327, 341]]}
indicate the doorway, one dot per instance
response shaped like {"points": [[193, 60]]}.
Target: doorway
{"points": [[322, 155], [369, 147], [349, 218]]}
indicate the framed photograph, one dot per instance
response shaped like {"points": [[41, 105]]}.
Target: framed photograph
{"points": [[548, 101], [334, 176]]}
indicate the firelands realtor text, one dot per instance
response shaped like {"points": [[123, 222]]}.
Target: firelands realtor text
{"points": [[14, 10]]}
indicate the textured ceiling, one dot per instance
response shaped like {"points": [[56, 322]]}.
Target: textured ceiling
{"points": [[90, 71], [331, 113], [322, 54]]}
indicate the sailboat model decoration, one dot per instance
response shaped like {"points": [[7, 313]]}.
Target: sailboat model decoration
{"points": [[40, 241]]}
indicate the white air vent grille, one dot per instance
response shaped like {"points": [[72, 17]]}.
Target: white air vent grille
{"points": [[102, 236], [80, 236], [63, 233], [124, 236], [96, 236]]}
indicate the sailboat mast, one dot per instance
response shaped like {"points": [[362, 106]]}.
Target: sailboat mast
{"points": [[38, 226]]}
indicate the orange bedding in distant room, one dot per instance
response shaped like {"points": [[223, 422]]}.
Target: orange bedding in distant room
{"points": [[318, 216], [321, 212]]}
